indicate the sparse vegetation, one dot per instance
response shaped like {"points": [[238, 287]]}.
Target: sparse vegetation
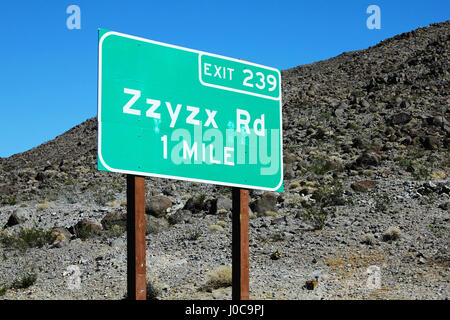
{"points": [[382, 202], [3, 290], [215, 228], [27, 238], [219, 278], [85, 229], [194, 235], [276, 255], [316, 216], [26, 281], [329, 195], [103, 196], [44, 205], [322, 164], [325, 197], [11, 200], [392, 234], [116, 230], [438, 230], [278, 236], [368, 239], [417, 168]]}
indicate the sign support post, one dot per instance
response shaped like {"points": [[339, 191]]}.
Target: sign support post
{"points": [[240, 244], [136, 245]]}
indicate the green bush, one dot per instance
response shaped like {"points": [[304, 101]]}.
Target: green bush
{"points": [[194, 235], [12, 200], [26, 281], [317, 216], [3, 290], [27, 238]]}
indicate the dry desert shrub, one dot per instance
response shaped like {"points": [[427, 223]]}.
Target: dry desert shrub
{"points": [[220, 277]]}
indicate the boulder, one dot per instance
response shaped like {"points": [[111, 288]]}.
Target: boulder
{"points": [[367, 159], [62, 237], [430, 142], [445, 206], [267, 202], [221, 205], [157, 205], [364, 185], [112, 218], [18, 216], [196, 203], [87, 228], [400, 118], [179, 217]]}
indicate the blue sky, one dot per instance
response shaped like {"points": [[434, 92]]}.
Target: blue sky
{"points": [[48, 73]]}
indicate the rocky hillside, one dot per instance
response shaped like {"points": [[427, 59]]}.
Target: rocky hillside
{"points": [[367, 164]]}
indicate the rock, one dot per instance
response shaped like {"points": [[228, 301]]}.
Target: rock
{"points": [[220, 294], [268, 202], [367, 159], [155, 225], [339, 113], [444, 188], [215, 228], [288, 171], [400, 118], [117, 243], [392, 234], [221, 205], [438, 121], [363, 186], [18, 216], [157, 205], [364, 103], [311, 284], [179, 217], [40, 176], [445, 206], [86, 228], [279, 221], [113, 218], [276, 255], [196, 204], [430, 142], [63, 237]]}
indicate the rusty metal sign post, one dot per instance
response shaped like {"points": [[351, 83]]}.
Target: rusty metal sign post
{"points": [[240, 245], [136, 245]]}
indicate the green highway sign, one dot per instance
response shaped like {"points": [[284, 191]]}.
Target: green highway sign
{"points": [[172, 112]]}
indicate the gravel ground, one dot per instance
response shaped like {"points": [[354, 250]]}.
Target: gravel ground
{"points": [[414, 267]]}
